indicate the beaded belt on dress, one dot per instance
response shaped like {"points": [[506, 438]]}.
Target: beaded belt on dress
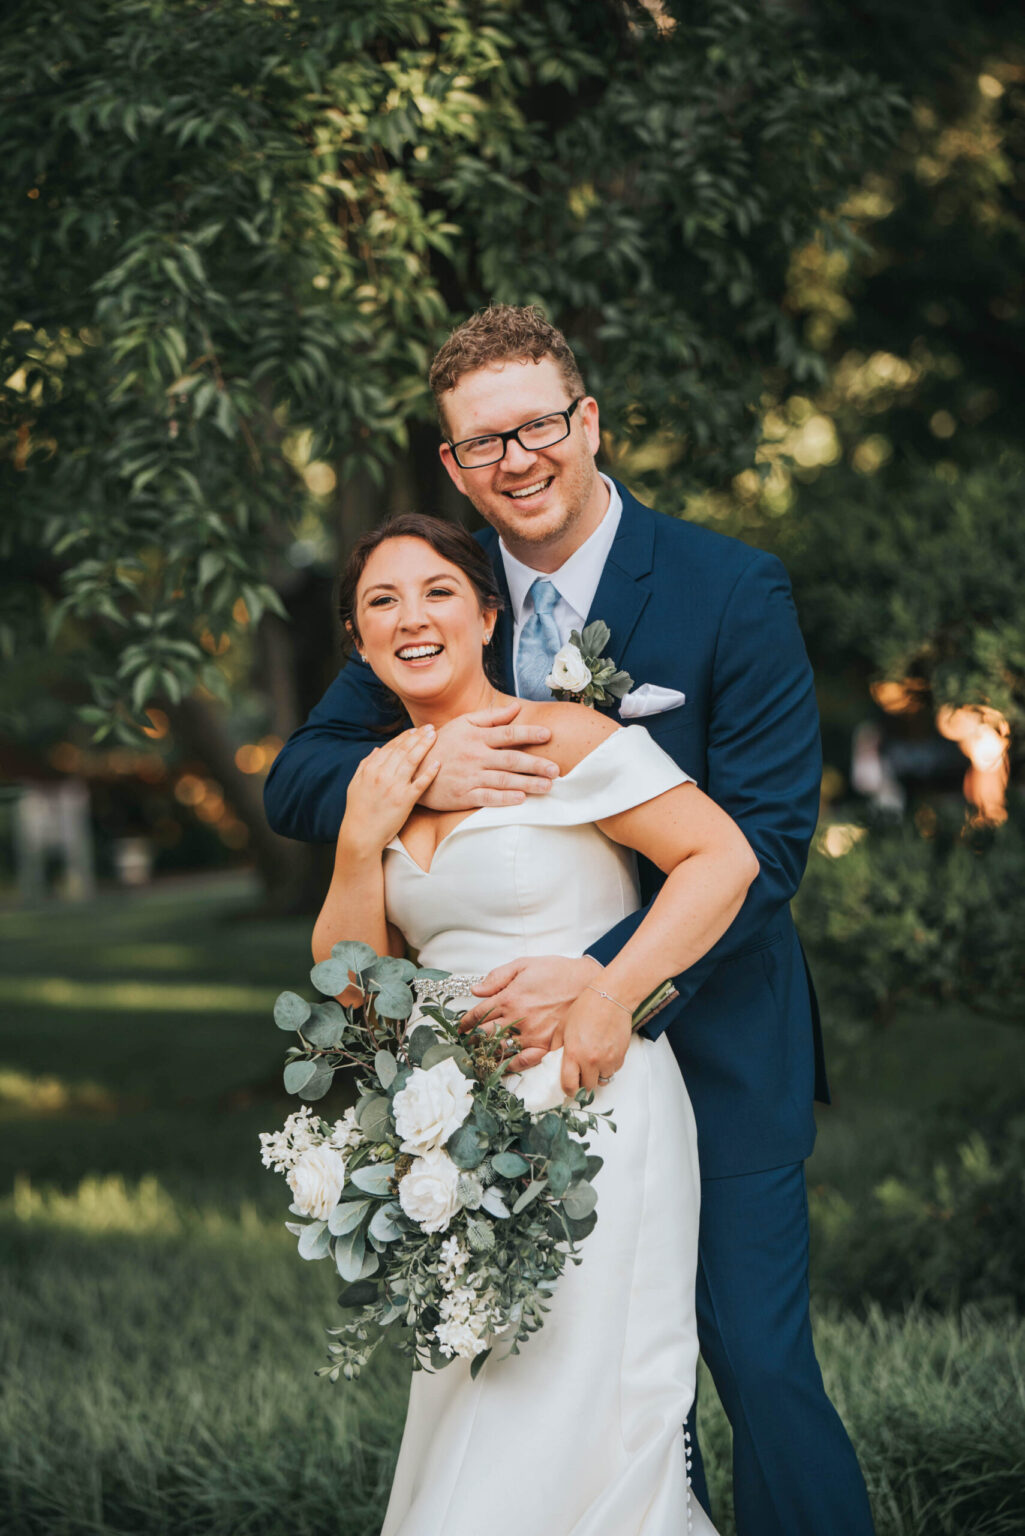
{"points": [[429, 990]]}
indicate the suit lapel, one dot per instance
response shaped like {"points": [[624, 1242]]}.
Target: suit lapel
{"points": [[622, 595]]}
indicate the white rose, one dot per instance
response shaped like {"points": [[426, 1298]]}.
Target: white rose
{"points": [[431, 1106], [539, 1087], [569, 670], [316, 1181], [429, 1192]]}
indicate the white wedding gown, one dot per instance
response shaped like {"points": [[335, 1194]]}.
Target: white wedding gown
{"points": [[581, 1434]]}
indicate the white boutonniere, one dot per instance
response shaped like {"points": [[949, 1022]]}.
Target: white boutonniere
{"points": [[581, 674]]}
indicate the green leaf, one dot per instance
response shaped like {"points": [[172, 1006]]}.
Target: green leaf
{"points": [[595, 637], [314, 1243], [383, 1227], [477, 1363], [374, 1116], [479, 1235], [467, 1147], [354, 954], [330, 976], [393, 1002], [359, 1294], [510, 1164], [389, 968], [347, 1216], [374, 1178], [291, 1011], [530, 1194], [579, 1201], [493, 1203], [327, 1025], [318, 1085], [447, 1050], [350, 1252], [386, 1068], [559, 1175], [298, 1073], [420, 1042]]}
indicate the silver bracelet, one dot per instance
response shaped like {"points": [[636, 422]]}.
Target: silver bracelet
{"points": [[610, 998]]}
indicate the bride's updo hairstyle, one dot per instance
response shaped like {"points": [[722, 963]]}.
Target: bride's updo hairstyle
{"points": [[449, 540]]}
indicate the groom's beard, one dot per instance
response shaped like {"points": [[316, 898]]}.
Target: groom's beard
{"points": [[573, 486]]}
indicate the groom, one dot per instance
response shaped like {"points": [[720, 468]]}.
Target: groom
{"points": [[711, 624]]}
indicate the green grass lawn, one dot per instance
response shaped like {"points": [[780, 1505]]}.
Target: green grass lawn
{"points": [[158, 1334]]}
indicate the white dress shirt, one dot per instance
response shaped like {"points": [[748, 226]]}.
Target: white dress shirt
{"points": [[576, 580]]}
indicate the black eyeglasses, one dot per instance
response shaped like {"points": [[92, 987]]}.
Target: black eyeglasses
{"points": [[543, 432]]}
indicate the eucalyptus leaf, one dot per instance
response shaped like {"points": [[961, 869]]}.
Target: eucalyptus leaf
{"points": [[389, 968], [448, 1050], [467, 1147], [419, 1043], [386, 1068], [374, 1178], [354, 955], [350, 1252], [510, 1164], [559, 1175], [314, 1241], [383, 1227], [330, 976], [327, 1025], [373, 1116], [579, 1201], [359, 1294], [347, 1216], [318, 1084], [477, 1364], [291, 1011], [530, 1194], [298, 1073], [393, 1001], [493, 1203]]}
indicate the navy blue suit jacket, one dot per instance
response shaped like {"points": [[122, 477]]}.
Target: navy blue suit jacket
{"points": [[714, 619]]}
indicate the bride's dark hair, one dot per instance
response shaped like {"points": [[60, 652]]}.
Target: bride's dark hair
{"points": [[449, 540]]}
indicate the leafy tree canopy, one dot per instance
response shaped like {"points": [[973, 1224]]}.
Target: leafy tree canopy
{"points": [[236, 231]]}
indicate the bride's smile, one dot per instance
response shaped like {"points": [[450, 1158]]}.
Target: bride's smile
{"points": [[422, 629]]}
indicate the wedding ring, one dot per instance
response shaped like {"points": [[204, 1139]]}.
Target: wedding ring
{"points": [[605, 1079]]}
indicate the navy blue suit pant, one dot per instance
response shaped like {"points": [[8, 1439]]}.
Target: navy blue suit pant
{"points": [[794, 1469]]}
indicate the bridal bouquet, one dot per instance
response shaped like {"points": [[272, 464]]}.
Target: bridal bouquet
{"points": [[446, 1204]]}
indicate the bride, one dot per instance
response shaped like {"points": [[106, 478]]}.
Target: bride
{"points": [[582, 1433]]}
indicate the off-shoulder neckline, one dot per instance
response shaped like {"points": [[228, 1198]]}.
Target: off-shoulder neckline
{"points": [[400, 847]]}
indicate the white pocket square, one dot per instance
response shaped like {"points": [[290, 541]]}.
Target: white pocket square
{"points": [[649, 699]]}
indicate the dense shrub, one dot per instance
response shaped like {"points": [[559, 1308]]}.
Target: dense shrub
{"points": [[902, 914], [949, 1235]]}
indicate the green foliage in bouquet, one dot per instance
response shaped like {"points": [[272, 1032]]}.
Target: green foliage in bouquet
{"points": [[445, 1203]]}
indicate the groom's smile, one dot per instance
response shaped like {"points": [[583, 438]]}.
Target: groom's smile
{"points": [[543, 501]]}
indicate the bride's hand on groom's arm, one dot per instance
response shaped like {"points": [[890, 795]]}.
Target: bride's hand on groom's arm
{"points": [[482, 764], [594, 1042], [535, 994], [384, 789]]}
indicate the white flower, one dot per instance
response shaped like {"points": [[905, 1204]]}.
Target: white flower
{"points": [[429, 1192], [346, 1132], [569, 670], [431, 1106], [282, 1149], [539, 1087], [316, 1181]]}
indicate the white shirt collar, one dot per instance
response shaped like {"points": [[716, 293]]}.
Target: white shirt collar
{"points": [[577, 578]]}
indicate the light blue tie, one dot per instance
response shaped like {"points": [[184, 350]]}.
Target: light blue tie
{"points": [[539, 641]]}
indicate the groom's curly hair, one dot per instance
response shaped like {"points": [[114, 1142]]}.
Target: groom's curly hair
{"points": [[502, 333]]}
